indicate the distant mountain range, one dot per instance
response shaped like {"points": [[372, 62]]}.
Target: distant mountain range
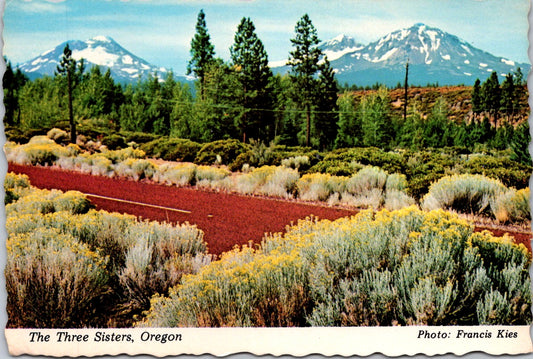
{"points": [[434, 56], [103, 51]]}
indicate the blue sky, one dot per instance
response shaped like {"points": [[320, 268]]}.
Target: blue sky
{"points": [[160, 30]]}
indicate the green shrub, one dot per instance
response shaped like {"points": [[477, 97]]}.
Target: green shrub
{"points": [[245, 158], [172, 149], [180, 174], [123, 154], [135, 168], [319, 186], [182, 150], [17, 135], [138, 137], [210, 174], [346, 161], [114, 142], [280, 152], [268, 180], [405, 267], [221, 152], [39, 150], [510, 173]]}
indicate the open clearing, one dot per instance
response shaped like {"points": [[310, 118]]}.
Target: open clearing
{"points": [[227, 219]]}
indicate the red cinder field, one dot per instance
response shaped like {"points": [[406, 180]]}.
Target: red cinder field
{"points": [[226, 219]]}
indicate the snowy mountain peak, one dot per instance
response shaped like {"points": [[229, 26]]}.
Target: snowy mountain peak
{"points": [[434, 56], [339, 46], [102, 39], [100, 51]]}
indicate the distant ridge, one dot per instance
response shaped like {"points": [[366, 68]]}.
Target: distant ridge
{"points": [[100, 51], [434, 56]]}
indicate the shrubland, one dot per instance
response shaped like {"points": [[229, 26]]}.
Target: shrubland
{"points": [[405, 267], [357, 177], [70, 266]]}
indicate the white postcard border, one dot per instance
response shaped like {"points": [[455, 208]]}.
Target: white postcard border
{"points": [[348, 341]]}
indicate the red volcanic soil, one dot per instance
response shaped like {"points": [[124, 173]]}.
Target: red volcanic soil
{"points": [[226, 219]]}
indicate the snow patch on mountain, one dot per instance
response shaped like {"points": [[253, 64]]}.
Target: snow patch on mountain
{"points": [[97, 55]]}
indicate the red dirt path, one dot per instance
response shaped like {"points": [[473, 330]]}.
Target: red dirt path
{"points": [[226, 219]]}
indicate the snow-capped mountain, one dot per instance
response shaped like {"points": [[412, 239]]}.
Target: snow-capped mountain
{"points": [[339, 46], [102, 51], [434, 56]]}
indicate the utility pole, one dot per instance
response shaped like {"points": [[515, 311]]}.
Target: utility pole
{"points": [[406, 85]]}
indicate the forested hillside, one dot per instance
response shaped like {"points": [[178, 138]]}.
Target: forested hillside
{"points": [[241, 99]]}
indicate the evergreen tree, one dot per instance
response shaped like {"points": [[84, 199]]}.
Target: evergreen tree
{"points": [[437, 131], [202, 51], [508, 93], [461, 136], [41, 103], [181, 124], [215, 113], [477, 106], [250, 63], [503, 137], [99, 96], [491, 93], [520, 144], [411, 132], [12, 83], [325, 124], [304, 62], [519, 78], [349, 127], [286, 111], [73, 73], [375, 117]]}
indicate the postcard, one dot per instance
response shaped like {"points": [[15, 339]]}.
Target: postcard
{"points": [[341, 178]]}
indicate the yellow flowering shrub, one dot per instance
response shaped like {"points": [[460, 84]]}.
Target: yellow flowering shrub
{"points": [[404, 267], [47, 201], [39, 150]]}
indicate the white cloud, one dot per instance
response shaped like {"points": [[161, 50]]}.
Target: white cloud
{"points": [[39, 6]]}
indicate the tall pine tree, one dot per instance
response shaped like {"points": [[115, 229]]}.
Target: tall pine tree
{"points": [[202, 51], [12, 83], [491, 93], [250, 63], [477, 106], [508, 94], [325, 124], [349, 126], [73, 73], [304, 62]]}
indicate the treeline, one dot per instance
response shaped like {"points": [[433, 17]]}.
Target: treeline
{"points": [[242, 99]]}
